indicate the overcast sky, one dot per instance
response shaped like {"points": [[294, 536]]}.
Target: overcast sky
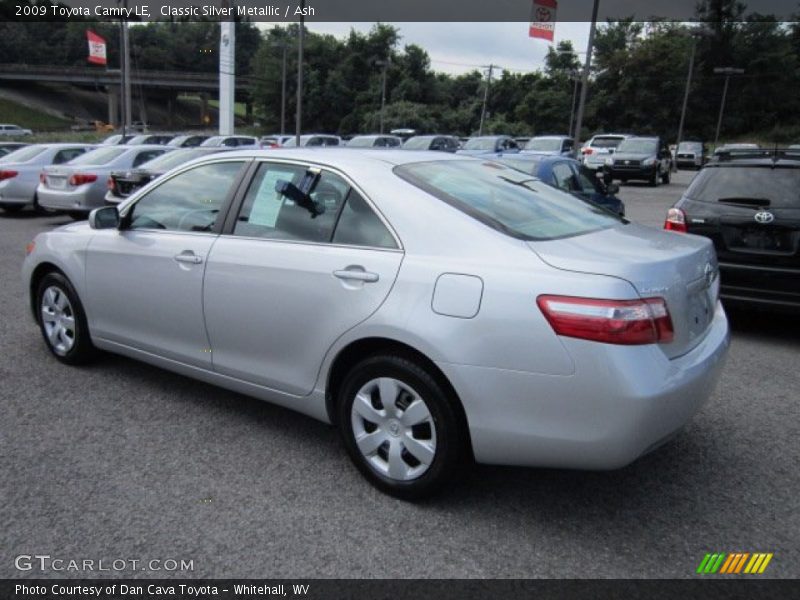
{"points": [[461, 47]]}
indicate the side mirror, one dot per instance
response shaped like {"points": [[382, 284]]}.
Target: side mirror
{"points": [[106, 217], [612, 188]]}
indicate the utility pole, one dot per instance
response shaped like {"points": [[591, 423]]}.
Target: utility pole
{"points": [[575, 78], [585, 78], [384, 64], [485, 99], [300, 39], [727, 71], [227, 73], [283, 91], [125, 75]]}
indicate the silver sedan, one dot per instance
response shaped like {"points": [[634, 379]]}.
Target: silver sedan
{"points": [[20, 171], [434, 309], [80, 185]]}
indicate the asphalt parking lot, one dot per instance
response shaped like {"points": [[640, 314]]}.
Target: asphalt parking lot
{"points": [[120, 460]]}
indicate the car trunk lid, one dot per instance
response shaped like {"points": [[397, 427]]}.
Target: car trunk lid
{"points": [[682, 269]]}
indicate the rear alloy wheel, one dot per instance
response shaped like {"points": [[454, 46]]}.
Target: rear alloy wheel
{"points": [[62, 320], [399, 427]]}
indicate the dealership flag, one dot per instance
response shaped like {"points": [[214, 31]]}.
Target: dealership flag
{"points": [[97, 48], [543, 19]]}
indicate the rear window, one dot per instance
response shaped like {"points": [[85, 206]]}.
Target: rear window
{"points": [[100, 156], [480, 144], [417, 143], [173, 159], [544, 145], [507, 200], [778, 187], [24, 154], [606, 142]]}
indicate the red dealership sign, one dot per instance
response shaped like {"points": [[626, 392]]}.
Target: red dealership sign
{"points": [[543, 19]]}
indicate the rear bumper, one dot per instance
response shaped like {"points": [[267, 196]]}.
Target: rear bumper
{"points": [[770, 287], [81, 199], [622, 402]]}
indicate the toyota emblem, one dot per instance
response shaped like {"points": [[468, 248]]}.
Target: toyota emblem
{"points": [[764, 217]]}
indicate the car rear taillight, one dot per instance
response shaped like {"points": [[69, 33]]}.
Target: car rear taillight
{"points": [[7, 174], [42, 177], [111, 184], [626, 322], [81, 178], [676, 220], [587, 150]]}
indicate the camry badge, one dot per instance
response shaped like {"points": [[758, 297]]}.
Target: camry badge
{"points": [[764, 217]]}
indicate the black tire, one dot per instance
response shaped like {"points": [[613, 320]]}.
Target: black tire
{"points": [[39, 209], [81, 350], [77, 216], [448, 434], [11, 208], [665, 177], [654, 178]]}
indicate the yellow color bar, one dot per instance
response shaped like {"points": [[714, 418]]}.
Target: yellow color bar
{"points": [[765, 563], [754, 562]]}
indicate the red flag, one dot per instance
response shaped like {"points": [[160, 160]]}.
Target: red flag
{"points": [[543, 19], [97, 48]]}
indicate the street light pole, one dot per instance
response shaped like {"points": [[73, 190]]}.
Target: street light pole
{"points": [[585, 77], [695, 34], [300, 39], [727, 71], [282, 45], [385, 65]]}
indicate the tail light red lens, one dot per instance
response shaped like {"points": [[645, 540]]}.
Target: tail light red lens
{"points": [[110, 184], [625, 322], [7, 174], [676, 220], [587, 150], [81, 178], [42, 177]]}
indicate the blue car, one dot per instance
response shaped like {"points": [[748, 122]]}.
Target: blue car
{"points": [[498, 145], [570, 176]]}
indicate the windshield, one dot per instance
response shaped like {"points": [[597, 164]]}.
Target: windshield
{"points": [[544, 145], [480, 144], [507, 200], [606, 142], [100, 156], [690, 147], [634, 146], [213, 141], [417, 143], [24, 154], [361, 142], [173, 159], [780, 186], [526, 165]]}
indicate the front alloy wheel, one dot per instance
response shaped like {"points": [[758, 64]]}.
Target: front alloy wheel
{"points": [[62, 320], [400, 426]]}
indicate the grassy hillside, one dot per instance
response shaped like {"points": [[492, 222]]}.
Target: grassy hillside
{"points": [[29, 118]]}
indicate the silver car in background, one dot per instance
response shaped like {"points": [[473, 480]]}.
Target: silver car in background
{"points": [[20, 171], [433, 307], [80, 185]]}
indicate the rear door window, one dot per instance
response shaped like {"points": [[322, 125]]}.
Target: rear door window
{"points": [[749, 186]]}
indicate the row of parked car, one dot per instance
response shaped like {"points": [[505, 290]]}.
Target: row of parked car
{"points": [[76, 177]]}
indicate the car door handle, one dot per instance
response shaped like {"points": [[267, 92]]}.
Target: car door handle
{"points": [[188, 257], [356, 275]]}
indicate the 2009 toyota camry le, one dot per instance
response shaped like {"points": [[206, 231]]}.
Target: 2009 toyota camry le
{"points": [[434, 309]]}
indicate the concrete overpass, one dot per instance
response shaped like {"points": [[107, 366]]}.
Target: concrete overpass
{"points": [[170, 83]]}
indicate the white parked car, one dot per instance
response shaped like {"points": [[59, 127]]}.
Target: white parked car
{"points": [[594, 153], [7, 129]]}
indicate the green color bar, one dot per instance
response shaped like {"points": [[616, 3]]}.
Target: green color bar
{"points": [[718, 564], [702, 566]]}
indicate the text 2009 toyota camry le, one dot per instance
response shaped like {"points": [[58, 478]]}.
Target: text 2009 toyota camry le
{"points": [[433, 309]]}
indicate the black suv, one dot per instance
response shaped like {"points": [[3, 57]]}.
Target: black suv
{"points": [[748, 203], [645, 158]]}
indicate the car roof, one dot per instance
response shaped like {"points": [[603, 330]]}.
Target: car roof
{"points": [[551, 137], [352, 157]]}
